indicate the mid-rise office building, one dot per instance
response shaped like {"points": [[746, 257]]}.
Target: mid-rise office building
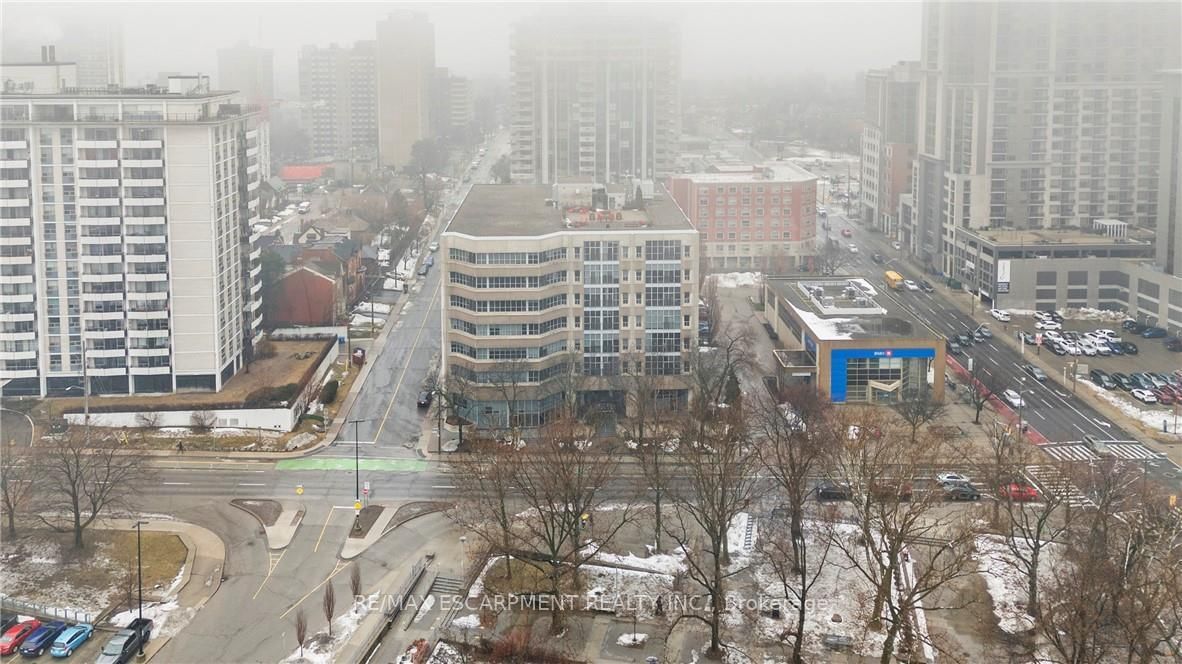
{"points": [[339, 99], [1038, 115], [405, 73], [1169, 205], [593, 98], [250, 71], [752, 217], [888, 143], [547, 304], [127, 257]]}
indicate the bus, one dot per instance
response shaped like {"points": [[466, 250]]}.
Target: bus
{"points": [[893, 279]]}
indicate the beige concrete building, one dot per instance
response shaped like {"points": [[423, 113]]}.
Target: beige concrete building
{"points": [[406, 71], [546, 305]]}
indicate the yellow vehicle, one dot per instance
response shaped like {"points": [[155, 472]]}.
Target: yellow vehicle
{"points": [[893, 279]]}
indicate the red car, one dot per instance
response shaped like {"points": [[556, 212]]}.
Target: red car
{"points": [[16, 635], [845, 232], [1018, 492], [1164, 396]]}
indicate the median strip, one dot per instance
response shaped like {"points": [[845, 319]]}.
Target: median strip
{"points": [[337, 463]]}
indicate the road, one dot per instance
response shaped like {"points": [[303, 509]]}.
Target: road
{"points": [[391, 421]]}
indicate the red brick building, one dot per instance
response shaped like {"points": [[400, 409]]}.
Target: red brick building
{"points": [[306, 296]]}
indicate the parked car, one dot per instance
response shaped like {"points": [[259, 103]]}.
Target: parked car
{"points": [[852, 247], [961, 491], [926, 286], [1035, 372], [1116, 348], [1001, 315], [1129, 347], [984, 331], [1122, 381], [121, 648], [1087, 348], [1101, 378], [1019, 492], [1013, 398], [71, 639], [832, 491], [423, 269], [1055, 347], [1154, 333], [16, 635], [1174, 344], [954, 348], [1164, 396], [1048, 325], [425, 397], [1055, 316], [434, 246], [1144, 396], [951, 478], [877, 257], [845, 232], [1132, 326], [1027, 338], [36, 643], [8, 620]]}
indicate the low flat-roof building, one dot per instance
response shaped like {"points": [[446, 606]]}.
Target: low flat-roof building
{"points": [[856, 344], [540, 300]]}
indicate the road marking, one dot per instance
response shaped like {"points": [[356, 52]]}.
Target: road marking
{"points": [[390, 465], [175, 483], [340, 567], [272, 563], [442, 486], [353, 442], [402, 376], [990, 358], [251, 484], [326, 520]]}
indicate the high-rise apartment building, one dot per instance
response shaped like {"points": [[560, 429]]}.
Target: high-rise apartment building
{"points": [[1038, 115], [547, 305], [339, 100], [248, 70], [757, 217], [406, 73], [888, 143], [126, 251], [453, 106], [593, 98], [1169, 205]]}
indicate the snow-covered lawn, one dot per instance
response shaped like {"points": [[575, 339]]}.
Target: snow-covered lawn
{"points": [[322, 648], [613, 589], [1152, 417], [471, 621], [664, 563], [168, 617], [735, 279], [637, 639], [1007, 583]]}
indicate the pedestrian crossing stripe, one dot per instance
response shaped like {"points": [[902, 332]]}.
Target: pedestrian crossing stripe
{"points": [[1049, 480], [1081, 452]]}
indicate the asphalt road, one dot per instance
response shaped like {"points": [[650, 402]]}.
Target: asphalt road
{"points": [[391, 421]]}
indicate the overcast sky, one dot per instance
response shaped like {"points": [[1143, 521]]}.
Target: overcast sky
{"points": [[719, 39]]}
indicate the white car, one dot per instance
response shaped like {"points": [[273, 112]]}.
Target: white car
{"points": [[1070, 347], [1013, 398], [952, 478], [853, 248], [1047, 324], [434, 246], [1052, 334], [1087, 347], [1144, 396], [910, 285], [1003, 316], [1106, 333], [1043, 315], [896, 246]]}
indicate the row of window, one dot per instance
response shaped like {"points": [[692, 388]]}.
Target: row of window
{"points": [[499, 377], [508, 281], [592, 251], [508, 306], [530, 353], [509, 257], [509, 329]]}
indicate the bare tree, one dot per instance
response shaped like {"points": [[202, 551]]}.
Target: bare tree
{"points": [[875, 458], [1077, 607], [719, 479], [643, 428], [301, 628], [148, 419], [786, 555], [832, 256], [355, 581], [483, 479], [83, 481], [982, 386], [1147, 552], [329, 604], [202, 421], [20, 474], [918, 409]]}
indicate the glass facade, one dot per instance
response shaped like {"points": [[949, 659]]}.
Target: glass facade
{"points": [[884, 379]]}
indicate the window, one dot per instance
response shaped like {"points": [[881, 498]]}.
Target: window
{"points": [[685, 320]]}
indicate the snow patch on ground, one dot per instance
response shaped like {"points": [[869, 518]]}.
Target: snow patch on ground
{"points": [[219, 432], [637, 639], [467, 622], [425, 608], [31, 570], [1007, 583], [664, 563], [1149, 417], [445, 654], [324, 651], [477, 587], [612, 587], [736, 537], [736, 279], [1087, 313]]}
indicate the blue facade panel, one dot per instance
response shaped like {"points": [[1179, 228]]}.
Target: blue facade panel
{"points": [[839, 357]]}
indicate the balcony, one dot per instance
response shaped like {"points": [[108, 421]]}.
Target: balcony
{"points": [[252, 152], [252, 185], [100, 221], [256, 271], [116, 258], [155, 276], [257, 322], [147, 315], [103, 297], [16, 278], [105, 352], [150, 371], [151, 144], [107, 371], [90, 163], [16, 222], [16, 318], [14, 183], [256, 304], [132, 295], [18, 354], [255, 253], [96, 240], [14, 145], [16, 241], [100, 145], [14, 202], [147, 258], [149, 352], [18, 298], [153, 182], [103, 334], [102, 278], [15, 163], [256, 288], [143, 220], [104, 202], [148, 334], [143, 201], [97, 182], [18, 373], [142, 163], [145, 239]]}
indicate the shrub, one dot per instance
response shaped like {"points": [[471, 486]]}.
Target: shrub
{"points": [[264, 349], [202, 421], [265, 396], [328, 393]]}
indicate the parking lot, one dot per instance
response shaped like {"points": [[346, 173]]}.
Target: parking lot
{"points": [[1151, 354]]}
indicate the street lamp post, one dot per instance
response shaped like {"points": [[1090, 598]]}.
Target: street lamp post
{"points": [[139, 556], [356, 472]]}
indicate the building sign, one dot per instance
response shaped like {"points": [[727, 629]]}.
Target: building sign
{"points": [[1003, 276]]}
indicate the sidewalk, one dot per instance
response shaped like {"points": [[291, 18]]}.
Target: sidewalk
{"points": [[203, 565]]}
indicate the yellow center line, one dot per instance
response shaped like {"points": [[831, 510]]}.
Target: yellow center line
{"points": [[341, 565], [328, 518], [401, 376], [272, 564]]}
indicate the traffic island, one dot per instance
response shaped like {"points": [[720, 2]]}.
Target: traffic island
{"points": [[365, 521], [279, 521]]}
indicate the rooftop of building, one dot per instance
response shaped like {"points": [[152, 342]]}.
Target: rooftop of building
{"points": [[840, 308], [743, 172], [1065, 236], [149, 92], [526, 210]]}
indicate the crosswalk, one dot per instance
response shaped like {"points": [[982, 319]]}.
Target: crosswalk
{"points": [[1050, 481], [1081, 452]]}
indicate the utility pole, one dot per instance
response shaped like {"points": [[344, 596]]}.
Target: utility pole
{"points": [[139, 556], [85, 395], [356, 472], [439, 421]]}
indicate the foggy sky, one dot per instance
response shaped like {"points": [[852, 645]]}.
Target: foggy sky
{"points": [[759, 40]]}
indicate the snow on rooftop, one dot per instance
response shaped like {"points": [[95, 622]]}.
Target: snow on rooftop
{"points": [[828, 329]]}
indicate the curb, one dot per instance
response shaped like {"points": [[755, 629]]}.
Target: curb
{"points": [[299, 520]]}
